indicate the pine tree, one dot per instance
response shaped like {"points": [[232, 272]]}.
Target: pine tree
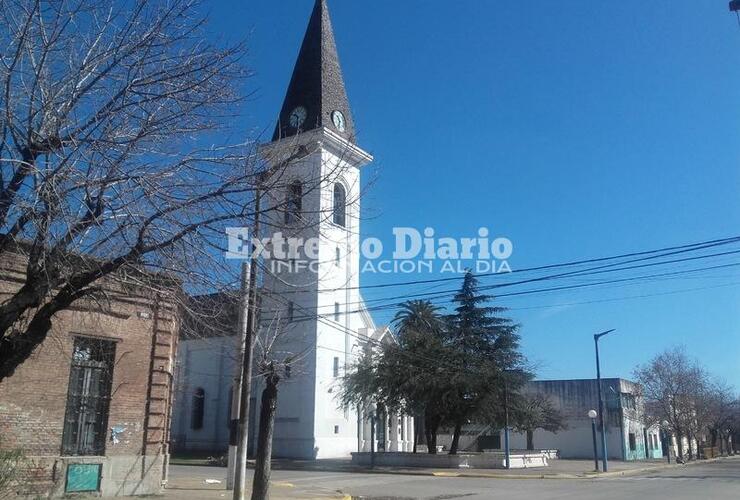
{"points": [[485, 345]]}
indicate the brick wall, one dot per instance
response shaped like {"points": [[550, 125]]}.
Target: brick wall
{"points": [[33, 399]]}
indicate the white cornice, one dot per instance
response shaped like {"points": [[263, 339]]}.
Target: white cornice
{"points": [[283, 149]]}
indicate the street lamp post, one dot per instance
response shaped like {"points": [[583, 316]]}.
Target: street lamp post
{"points": [[604, 465], [592, 414], [507, 449]]}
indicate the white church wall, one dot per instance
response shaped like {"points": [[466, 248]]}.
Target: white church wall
{"points": [[335, 427], [207, 364]]}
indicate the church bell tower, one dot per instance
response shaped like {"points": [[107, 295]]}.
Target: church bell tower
{"points": [[311, 290]]}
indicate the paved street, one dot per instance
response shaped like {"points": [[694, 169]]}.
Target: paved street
{"points": [[706, 481]]}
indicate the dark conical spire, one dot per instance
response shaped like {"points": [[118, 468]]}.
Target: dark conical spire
{"points": [[316, 95]]}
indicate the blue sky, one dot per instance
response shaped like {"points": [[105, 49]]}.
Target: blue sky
{"points": [[576, 129]]}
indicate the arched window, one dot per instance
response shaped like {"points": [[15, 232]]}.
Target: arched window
{"points": [[340, 205], [198, 408], [294, 202]]}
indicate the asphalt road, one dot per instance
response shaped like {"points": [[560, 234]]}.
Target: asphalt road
{"points": [[700, 481]]}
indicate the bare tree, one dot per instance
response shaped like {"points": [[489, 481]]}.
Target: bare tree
{"points": [[113, 115], [720, 405], [532, 411], [277, 358], [672, 385]]}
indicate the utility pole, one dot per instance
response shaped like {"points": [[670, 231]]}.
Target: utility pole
{"points": [[236, 389], [247, 323], [604, 465]]}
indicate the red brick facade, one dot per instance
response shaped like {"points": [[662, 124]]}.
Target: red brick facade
{"points": [[33, 400]]}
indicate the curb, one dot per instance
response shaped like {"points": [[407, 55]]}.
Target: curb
{"points": [[484, 475], [631, 472]]}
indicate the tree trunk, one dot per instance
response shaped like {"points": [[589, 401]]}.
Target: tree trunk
{"points": [[262, 468], [433, 431], [456, 438], [416, 433], [530, 439], [679, 442], [432, 444], [431, 426]]}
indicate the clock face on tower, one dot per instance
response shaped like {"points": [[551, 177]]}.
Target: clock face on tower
{"points": [[298, 117], [338, 119]]}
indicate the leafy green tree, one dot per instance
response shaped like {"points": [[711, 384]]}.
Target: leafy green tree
{"points": [[409, 375], [421, 339], [418, 317], [447, 369]]}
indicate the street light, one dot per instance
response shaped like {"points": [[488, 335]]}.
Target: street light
{"points": [[592, 415], [507, 441], [668, 439], [604, 465], [507, 449]]}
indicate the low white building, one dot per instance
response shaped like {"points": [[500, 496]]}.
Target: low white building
{"points": [[628, 436]]}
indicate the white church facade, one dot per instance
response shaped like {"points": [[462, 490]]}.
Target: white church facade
{"points": [[318, 309]]}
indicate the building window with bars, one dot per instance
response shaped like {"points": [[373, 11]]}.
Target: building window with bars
{"points": [[198, 409], [88, 397]]}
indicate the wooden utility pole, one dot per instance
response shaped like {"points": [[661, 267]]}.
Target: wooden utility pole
{"points": [[247, 324]]}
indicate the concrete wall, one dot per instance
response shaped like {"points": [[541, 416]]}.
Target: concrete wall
{"points": [[459, 461]]}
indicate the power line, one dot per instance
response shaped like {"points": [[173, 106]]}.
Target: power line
{"points": [[582, 272], [607, 268], [612, 267], [629, 297], [688, 247], [540, 290]]}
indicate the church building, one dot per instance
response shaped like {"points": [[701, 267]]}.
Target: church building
{"points": [[313, 174]]}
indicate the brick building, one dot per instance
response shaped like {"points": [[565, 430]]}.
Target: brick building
{"points": [[90, 408]]}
